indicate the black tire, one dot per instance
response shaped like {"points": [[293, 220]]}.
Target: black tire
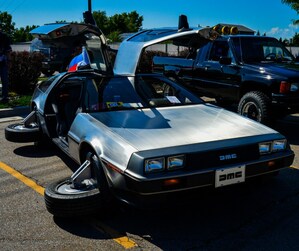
{"points": [[255, 105], [64, 201], [21, 134]]}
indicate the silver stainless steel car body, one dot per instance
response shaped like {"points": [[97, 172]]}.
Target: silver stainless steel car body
{"points": [[167, 127], [124, 139], [151, 135]]}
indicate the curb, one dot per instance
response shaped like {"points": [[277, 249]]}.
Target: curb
{"points": [[16, 111]]}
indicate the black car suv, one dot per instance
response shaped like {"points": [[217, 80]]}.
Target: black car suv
{"points": [[255, 72]]}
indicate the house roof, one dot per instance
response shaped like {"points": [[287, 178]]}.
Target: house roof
{"points": [[241, 28]]}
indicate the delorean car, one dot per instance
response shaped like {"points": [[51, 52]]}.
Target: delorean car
{"points": [[139, 135]]}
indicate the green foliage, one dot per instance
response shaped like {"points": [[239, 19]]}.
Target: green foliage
{"points": [[118, 23], [25, 68], [102, 21], [16, 100], [294, 5], [23, 34], [16, 35], [114, 36], [111, 26], [295, 40], [6, 24]]}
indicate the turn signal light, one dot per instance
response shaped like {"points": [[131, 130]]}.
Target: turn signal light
{"points": [[171, 182], [271, 163], [285, 87]]}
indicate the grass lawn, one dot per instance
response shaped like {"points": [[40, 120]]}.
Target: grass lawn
{"points": [[16, 100], [19, 100]]}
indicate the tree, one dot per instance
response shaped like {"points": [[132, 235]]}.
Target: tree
{"points": [[23, 34], [295, 39], [102, 21], [16, 35], [113, 26], [114, 36], [6, 24], [294, 5]]}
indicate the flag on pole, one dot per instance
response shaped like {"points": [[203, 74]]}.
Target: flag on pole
{"points": [[80, 60]]}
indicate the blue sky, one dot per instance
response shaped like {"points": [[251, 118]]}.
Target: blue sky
{"points": [[270, 16]]}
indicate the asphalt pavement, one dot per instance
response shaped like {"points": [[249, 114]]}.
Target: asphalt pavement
{"points": [[224, 220]]}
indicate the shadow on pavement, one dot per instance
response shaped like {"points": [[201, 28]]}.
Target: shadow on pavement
{"points": [[289, 127]]}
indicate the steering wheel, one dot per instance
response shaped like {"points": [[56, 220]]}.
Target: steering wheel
{"points": [[271, 55]]}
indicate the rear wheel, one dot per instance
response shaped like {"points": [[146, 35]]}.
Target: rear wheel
{"points": [[255, 105], [21, 133]]}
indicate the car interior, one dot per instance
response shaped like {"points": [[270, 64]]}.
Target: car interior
{"points": [[64, 103]]}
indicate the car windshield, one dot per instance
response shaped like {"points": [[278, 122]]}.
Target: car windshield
{"points": [[122, 93], [260, 49]]}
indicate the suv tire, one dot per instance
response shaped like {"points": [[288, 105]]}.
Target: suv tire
{"points": [[255, 105]]}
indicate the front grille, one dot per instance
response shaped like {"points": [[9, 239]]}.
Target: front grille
{"points": [[222, 157]]}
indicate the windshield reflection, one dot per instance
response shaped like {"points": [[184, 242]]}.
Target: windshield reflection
{"points": [[120, 93], [260, 49]]}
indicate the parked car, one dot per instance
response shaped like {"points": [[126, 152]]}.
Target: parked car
{"points": [[256, 73], [137, 136]]}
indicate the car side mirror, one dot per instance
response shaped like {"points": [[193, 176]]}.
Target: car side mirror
{"points": [[225, 60]]}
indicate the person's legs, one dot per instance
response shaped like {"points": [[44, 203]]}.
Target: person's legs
{"points": [[4, 80]]}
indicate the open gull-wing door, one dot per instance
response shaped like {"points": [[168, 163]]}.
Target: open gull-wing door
{"points": [[62, 39], [131, 49]]}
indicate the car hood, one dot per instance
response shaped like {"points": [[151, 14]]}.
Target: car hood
{"points": [[287, 70], [155, 128]]}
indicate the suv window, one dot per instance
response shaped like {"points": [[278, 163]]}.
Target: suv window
{"points": [[258, 49], [218, 50]]}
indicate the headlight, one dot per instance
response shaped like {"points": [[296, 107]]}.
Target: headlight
{"points": [[294, 87], [279, 145], [175, 162], [273, 146], [265, 147], [154, 165], [161, 163]]}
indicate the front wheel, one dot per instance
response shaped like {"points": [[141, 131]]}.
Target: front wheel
{"points": [[255, 105], [63, 200]]}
